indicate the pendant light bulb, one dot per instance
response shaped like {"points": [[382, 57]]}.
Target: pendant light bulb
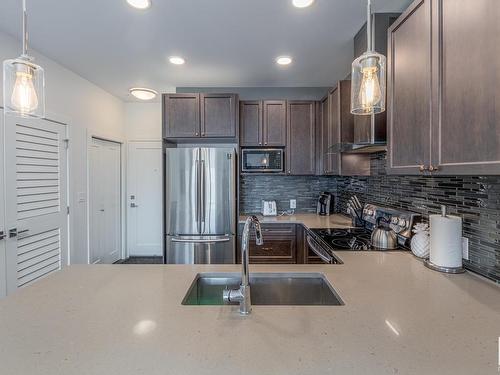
{"points": [[24, 97], [23, 82], [370, 92]]}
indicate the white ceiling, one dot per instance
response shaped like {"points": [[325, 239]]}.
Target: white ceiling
{"points": [[231, 43]]}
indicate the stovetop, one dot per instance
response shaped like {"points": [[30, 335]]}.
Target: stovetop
{"points": [[354, 239]]}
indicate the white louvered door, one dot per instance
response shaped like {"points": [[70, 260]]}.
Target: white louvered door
{"points": [[3, 275], [36, 199]]}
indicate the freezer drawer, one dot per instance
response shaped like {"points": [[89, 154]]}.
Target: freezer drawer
{"points": [[200, 250]]}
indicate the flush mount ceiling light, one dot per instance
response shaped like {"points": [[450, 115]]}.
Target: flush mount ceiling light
{"points": [[284, 60], [302, 3], [23, 81], [176, 60], [368, 77], [143, 93], [139, 4]]}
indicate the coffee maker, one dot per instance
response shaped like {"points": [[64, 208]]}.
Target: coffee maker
{"points": [[325, 205]]}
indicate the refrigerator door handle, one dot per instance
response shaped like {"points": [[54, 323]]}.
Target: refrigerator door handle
{"points": [[198, 197], [201, 240], [203, 199]]}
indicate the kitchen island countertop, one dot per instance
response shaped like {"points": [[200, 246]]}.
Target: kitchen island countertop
{"points": [[399, 318]]}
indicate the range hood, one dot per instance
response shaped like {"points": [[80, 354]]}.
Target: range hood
{"points": [[358, 148], [369, 136]]}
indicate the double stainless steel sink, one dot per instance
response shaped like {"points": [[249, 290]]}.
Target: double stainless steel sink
{"points": [[293, 289]]}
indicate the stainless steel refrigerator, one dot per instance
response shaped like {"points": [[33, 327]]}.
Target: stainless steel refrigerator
{"points": [[200, 205]]}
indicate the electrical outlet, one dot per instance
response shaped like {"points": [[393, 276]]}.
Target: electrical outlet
{"points": [[465, 248], [293, 204]]}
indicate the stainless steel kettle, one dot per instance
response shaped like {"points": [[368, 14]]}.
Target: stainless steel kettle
{"points": [[383, 237]]}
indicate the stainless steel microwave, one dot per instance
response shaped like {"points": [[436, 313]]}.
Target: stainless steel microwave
{"points": [[262, 160]]}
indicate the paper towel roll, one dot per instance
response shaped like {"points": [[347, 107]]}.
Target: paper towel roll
{"points": [[446, 241]]}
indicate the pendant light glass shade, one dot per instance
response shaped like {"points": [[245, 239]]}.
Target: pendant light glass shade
{"points": [[23, 81], [23, 88], [368, 80], [368, 84]]}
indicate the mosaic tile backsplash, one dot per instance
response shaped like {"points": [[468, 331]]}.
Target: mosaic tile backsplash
{"points": [[475, 198], [305, 189]]}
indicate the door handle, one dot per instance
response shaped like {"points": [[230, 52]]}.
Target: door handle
{"points": [[2, 235], [15, 233], [321, 253], [203, 191]]}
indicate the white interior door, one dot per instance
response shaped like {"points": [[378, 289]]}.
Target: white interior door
{"points": [[144, 186], [3, 230], [36, 199], [105, 198]]}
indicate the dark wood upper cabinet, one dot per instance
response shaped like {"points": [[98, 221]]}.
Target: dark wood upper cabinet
{"points": [[444, 116], [199, 115], [363, 124], [301, 133], [250, 123], [466, 81], [263, 123], [218, 115], [181, 115], [409, 90], [274, 123], [332, 133]]}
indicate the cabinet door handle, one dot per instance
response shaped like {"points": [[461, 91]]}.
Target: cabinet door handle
{"points": [[260, 143], [433, 169], [197, 134], [423, 168], [2, 235]]}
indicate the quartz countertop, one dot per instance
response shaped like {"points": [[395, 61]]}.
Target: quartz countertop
{"points": [[399, 318], [307, 220]]}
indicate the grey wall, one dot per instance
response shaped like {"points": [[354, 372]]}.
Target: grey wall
{"points": [[264, 93]]}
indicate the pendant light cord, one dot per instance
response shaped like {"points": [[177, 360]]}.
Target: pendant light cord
{"points": [[25, 29], [369, 42]]}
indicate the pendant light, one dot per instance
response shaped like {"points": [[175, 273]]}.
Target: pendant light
{"points": [[23, 82], [368, 77]]}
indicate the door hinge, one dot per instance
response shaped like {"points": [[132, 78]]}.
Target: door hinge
{"points": [[67, 210], [66, 143]]}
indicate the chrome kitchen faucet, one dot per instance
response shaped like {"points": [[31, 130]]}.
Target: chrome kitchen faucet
{"points": [[242, 295]]}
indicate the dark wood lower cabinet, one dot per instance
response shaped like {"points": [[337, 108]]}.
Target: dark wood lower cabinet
{"points": [[274, 250], [283, 244]]}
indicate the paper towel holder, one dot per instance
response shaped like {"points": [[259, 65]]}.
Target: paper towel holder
{"points": [[435, 267], [453, 270]]}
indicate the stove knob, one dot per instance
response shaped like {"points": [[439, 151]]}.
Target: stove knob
{"points": [[402, 223], [394, 220]]}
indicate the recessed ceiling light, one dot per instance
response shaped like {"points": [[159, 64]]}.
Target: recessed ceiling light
{"points": [[302, 3], [143, 93], [283, 60], [139, 4], [177, 60]]}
